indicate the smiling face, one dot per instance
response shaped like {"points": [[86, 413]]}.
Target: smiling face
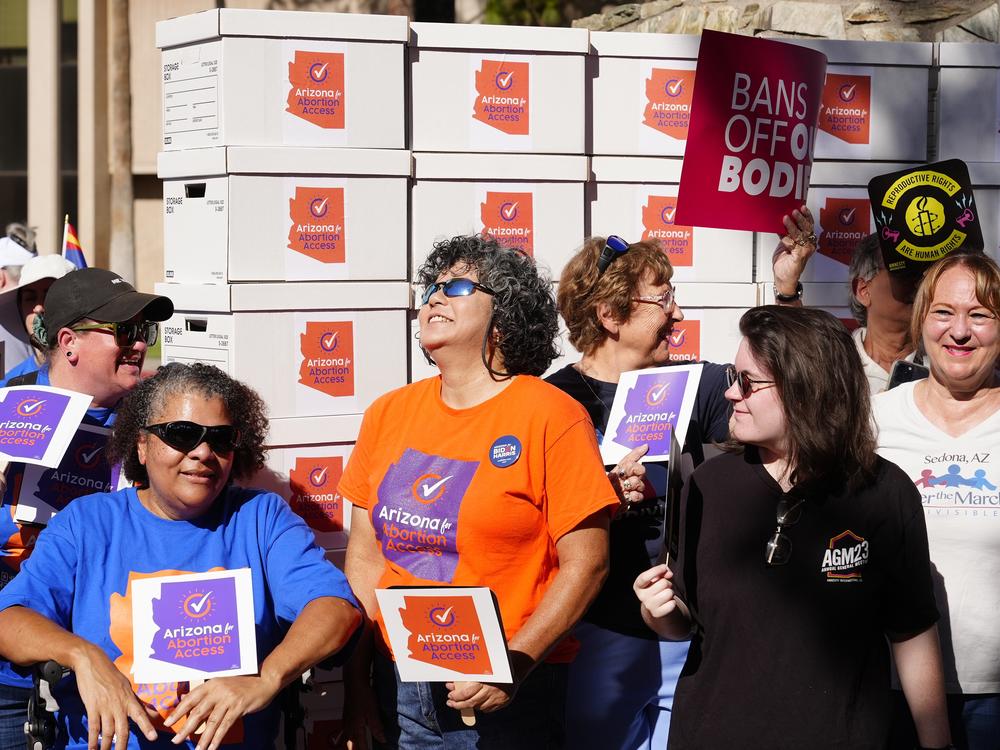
{"points": [[644, 338], [103, 369], [183, 485], [759, 418], [452, 328], [961, 336]]}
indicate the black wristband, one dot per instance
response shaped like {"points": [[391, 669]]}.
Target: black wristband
{"points": [[795, 297]]}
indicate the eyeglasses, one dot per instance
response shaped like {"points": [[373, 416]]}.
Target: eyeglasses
{"points": [[126, 334], [779, 546], [186, 436], [746, 383], [454, 288], [665, 300]]}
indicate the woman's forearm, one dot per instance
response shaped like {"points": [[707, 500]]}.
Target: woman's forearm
{"points": [[26, 637], [918, 663], [322, 628]]}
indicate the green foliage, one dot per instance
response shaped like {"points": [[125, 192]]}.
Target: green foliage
{"points": [[525, 12]]}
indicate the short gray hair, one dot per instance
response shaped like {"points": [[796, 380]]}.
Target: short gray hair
{"points": [[865, 264]]}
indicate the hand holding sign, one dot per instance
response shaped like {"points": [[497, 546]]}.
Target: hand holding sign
{"points": [[214, 706], [794, 250], [629, 477]]}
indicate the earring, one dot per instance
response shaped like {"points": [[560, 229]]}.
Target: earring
{"points": [[69, 354]]}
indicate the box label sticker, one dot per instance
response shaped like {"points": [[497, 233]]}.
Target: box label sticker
{"points": [[508, 218], [317, 224], [658, 226], [502, 96], [313, 483], [668, 101], [685, 341], [316, 90], [844, 222], [328, 357], [845, 110]]}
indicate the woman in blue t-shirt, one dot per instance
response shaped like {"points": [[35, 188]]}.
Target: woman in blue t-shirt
{"points": [[182, 436]]}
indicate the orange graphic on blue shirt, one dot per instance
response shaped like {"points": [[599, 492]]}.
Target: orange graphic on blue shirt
{"points": [[21, 543], [161, 697], [316, 88], [509, 219], [503, 97], [658, 225], [328, 357], [445, 631], [317, 224], [313, 482], [668, 101]]}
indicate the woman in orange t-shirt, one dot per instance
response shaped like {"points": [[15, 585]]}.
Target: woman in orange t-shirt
{"points": [[482, 476]]}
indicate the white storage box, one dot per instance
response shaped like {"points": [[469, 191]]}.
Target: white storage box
{"points": [[642, 86], [832, 297], [636, 197], [271, 78], [497, 88], [838, 200], [710, 331], [274, 214], [531, 202], [336, 353], [968, 94], [307, 475], [986, 186]]}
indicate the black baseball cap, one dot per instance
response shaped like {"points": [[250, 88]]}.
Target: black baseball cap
{"points": [[100, 295]]}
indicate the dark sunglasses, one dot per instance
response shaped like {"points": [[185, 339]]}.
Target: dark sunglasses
{"points": [[126, 334], [746, 383], [454, 288], [186, 436], [779, 546]]}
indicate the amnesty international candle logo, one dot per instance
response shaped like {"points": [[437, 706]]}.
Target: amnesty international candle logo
{"points": [[416, 516], [658, 225], [445, 631], [503, 98], [508, 218], [668, 101], [316, 91], [924, 213], [28, 422], [652, 407], [844, 222], [317, 224], [328, 357], [313, 482], [845, 110], [198, 625], [685, 341]]}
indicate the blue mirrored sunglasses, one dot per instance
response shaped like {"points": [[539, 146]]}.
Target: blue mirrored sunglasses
{"points": [[454, 288]]}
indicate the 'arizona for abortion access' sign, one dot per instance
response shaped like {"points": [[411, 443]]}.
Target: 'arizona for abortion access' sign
{"points": [[753, 125]]}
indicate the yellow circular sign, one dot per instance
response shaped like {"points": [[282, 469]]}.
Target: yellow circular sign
{"points": [[925, 216]]}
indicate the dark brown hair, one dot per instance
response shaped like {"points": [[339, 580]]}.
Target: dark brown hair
{"points": [[581, 290], [823, 389]]}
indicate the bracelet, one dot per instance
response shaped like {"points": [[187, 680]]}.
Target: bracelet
{"points": [[788, 298], [809, 239]]}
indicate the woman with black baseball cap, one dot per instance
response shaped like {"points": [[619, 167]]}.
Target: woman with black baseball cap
{"points": [[96, 330]]}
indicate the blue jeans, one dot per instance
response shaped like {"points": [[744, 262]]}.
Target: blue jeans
{"points": [[621, 690], [974, 720], [13, 714], [415, 715]]}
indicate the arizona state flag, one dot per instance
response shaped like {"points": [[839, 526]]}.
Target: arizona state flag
{"points": [[71, 246]]}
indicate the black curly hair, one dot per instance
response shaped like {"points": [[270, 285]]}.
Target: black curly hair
{"points": [[140, 407], [524, 310]]}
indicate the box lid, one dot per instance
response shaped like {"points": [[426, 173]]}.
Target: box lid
{"points": [[222, 160], [342, 428], [520, 167], [855, 52], [984, 173], [636, 169], [196, 297], [968, 54], [717, 294], [491, 37], [211, 24], [851, 172], [288, 296], [617, 44]]}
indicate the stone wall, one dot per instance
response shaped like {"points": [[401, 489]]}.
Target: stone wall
{"points": [[873, 20]]}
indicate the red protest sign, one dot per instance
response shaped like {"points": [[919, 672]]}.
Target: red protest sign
{"points": [[750, 141]]}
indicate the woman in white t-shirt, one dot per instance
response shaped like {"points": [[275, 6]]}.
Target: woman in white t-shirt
{"points": [[945, 434]]}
